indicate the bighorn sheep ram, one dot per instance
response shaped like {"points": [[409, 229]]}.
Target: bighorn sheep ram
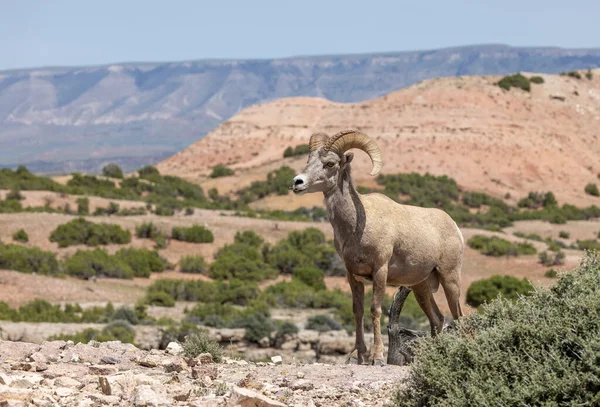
{"points": [[381, 240]]}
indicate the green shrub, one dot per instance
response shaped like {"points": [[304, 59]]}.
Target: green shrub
{"points": [[564, 235], [536, 79], [305, 248], [111, 209], [83, 206], [23, 180], [194, 234], [300, 149], [495, 246], [81, 231], [198, 343], [529, 236], [221, 171], [588, 244], [189, 211], [112, 171], [572, 74], [541, 351], [21, 236], [28, 260], [288, 152], [257, 326], [240, 261], [592, 189], [323, 323], [284, 330], [249, 237], [589, 75], [97, 263], [551, 273], [162, 210], [39, 310], [10, 206], [516, 81], [143, 262], [149, 173], [160, 299], [193, 264], [482, 291], [312, 277], [277, 182], [14, 195], [547, 259], [125, 314], [147, 230], [117, 331]]}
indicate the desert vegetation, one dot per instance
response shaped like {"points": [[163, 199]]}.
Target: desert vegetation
{"points": [[300, 149], [495, 246], [82, 231], [519, 81], [221, 171], [535, 350]]}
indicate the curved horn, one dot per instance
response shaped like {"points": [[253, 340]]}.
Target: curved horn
{"points": [[317, 140], [347, 139]]}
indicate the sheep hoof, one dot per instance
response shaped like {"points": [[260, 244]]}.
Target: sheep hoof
{"points": [[352, 361], [378, 362]]}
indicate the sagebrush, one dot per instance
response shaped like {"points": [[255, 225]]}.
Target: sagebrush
{"points": [[542, 350]]}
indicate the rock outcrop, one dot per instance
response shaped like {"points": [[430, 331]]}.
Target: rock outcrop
{"points": [[116, 374]]}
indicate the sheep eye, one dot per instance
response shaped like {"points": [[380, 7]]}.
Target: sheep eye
{"points": [[330, 164]]}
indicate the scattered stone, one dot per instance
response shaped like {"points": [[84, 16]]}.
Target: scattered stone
{"points": [[25, 366], [4, 379], [300, 375], [144, 396], [105, 400], [249, 398], [38, 357], [74, 357], [183, 395], [63, 391], [205, 358], [109, 360], [173, 365], [104, 385], [277, 360], [21, 384], [150, 361], [302, 384], [199, 372], [174, 348], [40, 367], [102, 370], [264, 342], [207, 381], [65, 381]]}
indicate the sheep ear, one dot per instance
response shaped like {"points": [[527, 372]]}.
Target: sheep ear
{"points": [[348, 158]]}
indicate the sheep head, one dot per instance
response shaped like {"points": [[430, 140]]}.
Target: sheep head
{"points": [[328, 157]]}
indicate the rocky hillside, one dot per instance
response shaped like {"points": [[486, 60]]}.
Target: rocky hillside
{"points": [[487, 138], [78, 118], [116, 374]]}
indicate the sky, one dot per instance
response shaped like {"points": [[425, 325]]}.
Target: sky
{"points": [[38, 33]]}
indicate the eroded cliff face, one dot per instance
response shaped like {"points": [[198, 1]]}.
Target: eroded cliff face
{"points": [[467, 128], [116, 374]]}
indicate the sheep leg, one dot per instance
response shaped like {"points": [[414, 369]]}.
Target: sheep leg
{"points": [[379, 283], [427, 303], [358, 355], [451, 284]]}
